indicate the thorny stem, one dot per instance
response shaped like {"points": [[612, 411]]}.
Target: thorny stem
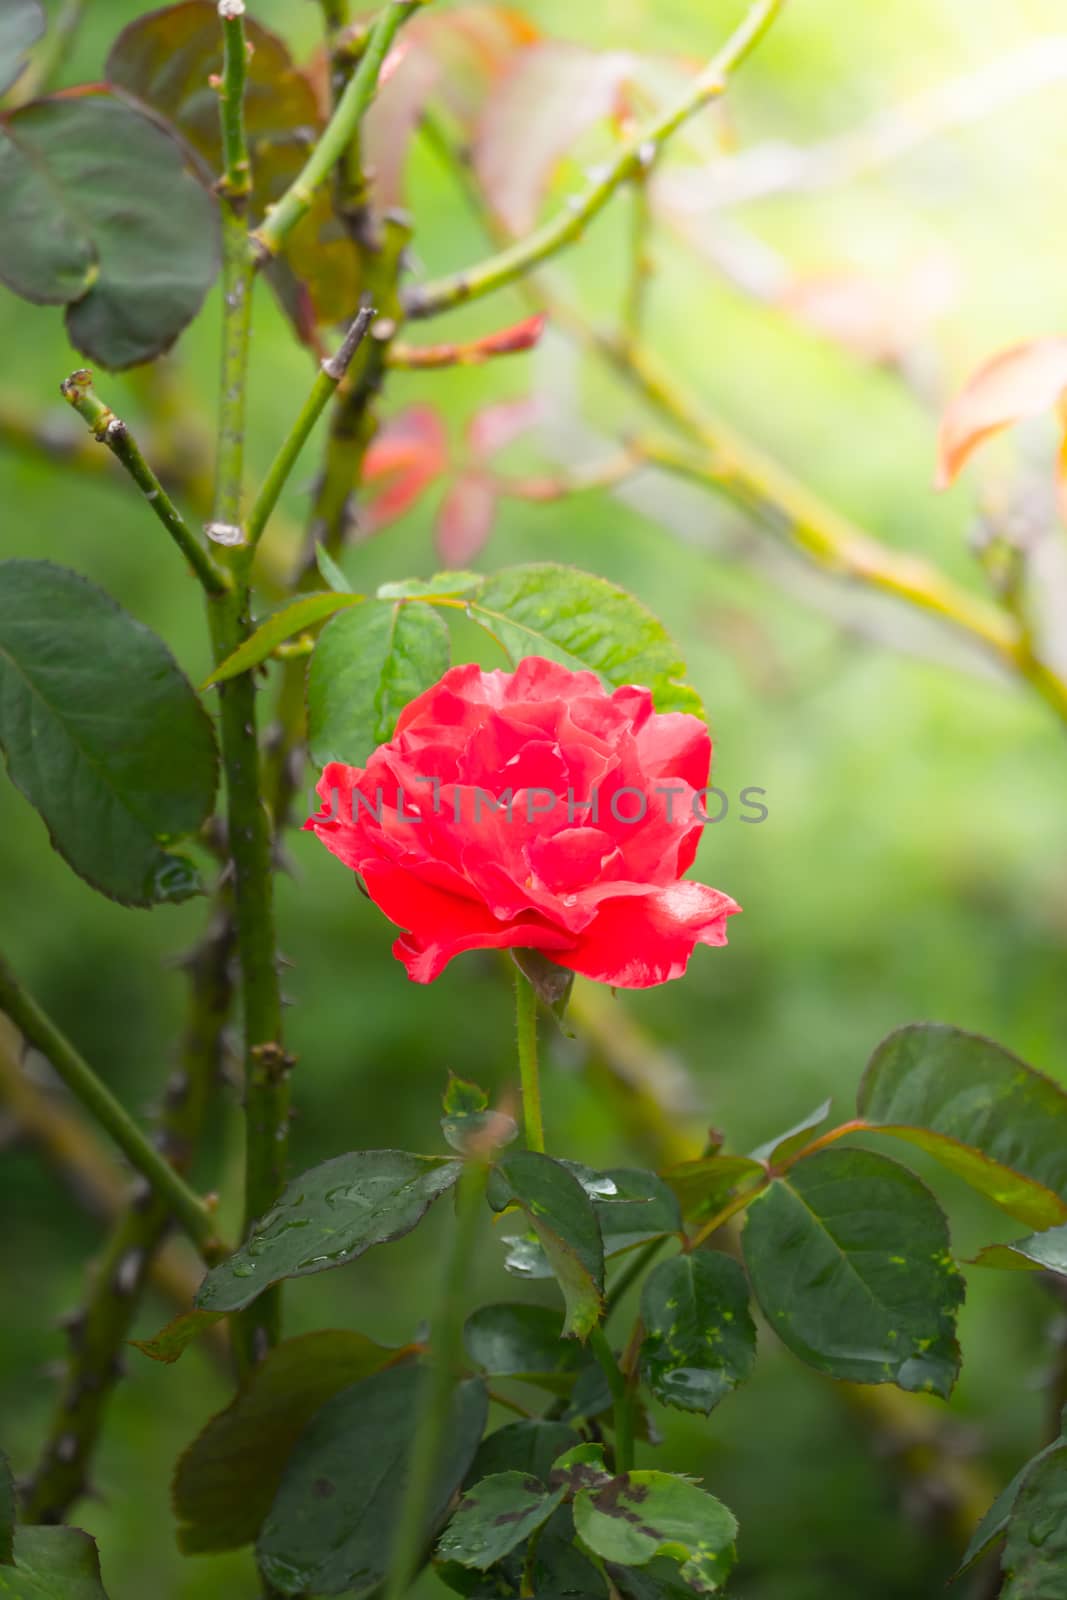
{"points": [[529, 1072], [331, 373], [641, 266], [622, 1399], [112, 431], [266, 1065], [99, 1329], [236, 180], [632, 160], [38, 1029], [341, 129], [446, 1349]]}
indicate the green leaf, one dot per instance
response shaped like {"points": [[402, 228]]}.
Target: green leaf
{"points": [[979, 1110], [52, 1564], [1035, 1551], [367, 666], [331, 572], [849, 1259], [331, 1525], [102, 733], [296, 617], [521, 1341], [494, 1516], [22, 22], [442, 586], [175, 1338], [700, 1340], [562, 1216], [167, 59], [703, 1187], [468, 1124], [112, 223], [641, 1515], [995, 1522], [328, 1217], [583, 621], [530, 1447], [642, 1208], [1038, 1252], [786, 1144], [227, 1478], [7, 1511]]}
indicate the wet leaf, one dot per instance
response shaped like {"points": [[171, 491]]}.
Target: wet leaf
{"points": [[700, 1340], [641, 1515], [1035, 1551], [332, 1522], [494, 1516], [994, 1524], [225, 1481], [328, 1217], [113, 224], [368, 665], [849, 1259], [172, 1341], [530, 1446], [641, 1208], [583, 621], [982, 1112], [562, 1217], [526, 1342], [102, 733]]}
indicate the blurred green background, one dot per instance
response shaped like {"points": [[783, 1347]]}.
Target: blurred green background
{"points": [[911, 863]]}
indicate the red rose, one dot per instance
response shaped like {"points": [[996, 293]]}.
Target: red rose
{"points": [[532, 808]]}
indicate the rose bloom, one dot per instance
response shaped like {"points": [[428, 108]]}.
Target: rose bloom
{"points": [[598, 888]]}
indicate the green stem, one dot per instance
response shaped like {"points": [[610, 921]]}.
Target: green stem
{"points": [[41, 1032], [529, 1072], [446, 1345], [635, 1269], [236, 180], [325, 386], [99, 1330], [633, 159], [266, 1065], [622, 1400], [527, 1589], [341, 129], [112, 431]]}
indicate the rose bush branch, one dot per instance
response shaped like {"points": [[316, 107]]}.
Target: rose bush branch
{"points": [[339, 132], [111, 430], [631, 162], [331, 373], [40, 1031], [98, 1331]]}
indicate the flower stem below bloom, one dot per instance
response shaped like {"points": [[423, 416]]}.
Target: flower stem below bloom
{"points": [[529, 1073]]}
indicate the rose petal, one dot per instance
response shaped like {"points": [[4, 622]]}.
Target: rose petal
{"points": [[637, 943]]}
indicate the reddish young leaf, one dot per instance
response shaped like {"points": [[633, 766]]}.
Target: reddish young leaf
{"points": [[1020, 382], [474, 46], [496, 426], [505, 342], [407, 455], [877, 318], [553, 93], [465, 521], [408, 78]]}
